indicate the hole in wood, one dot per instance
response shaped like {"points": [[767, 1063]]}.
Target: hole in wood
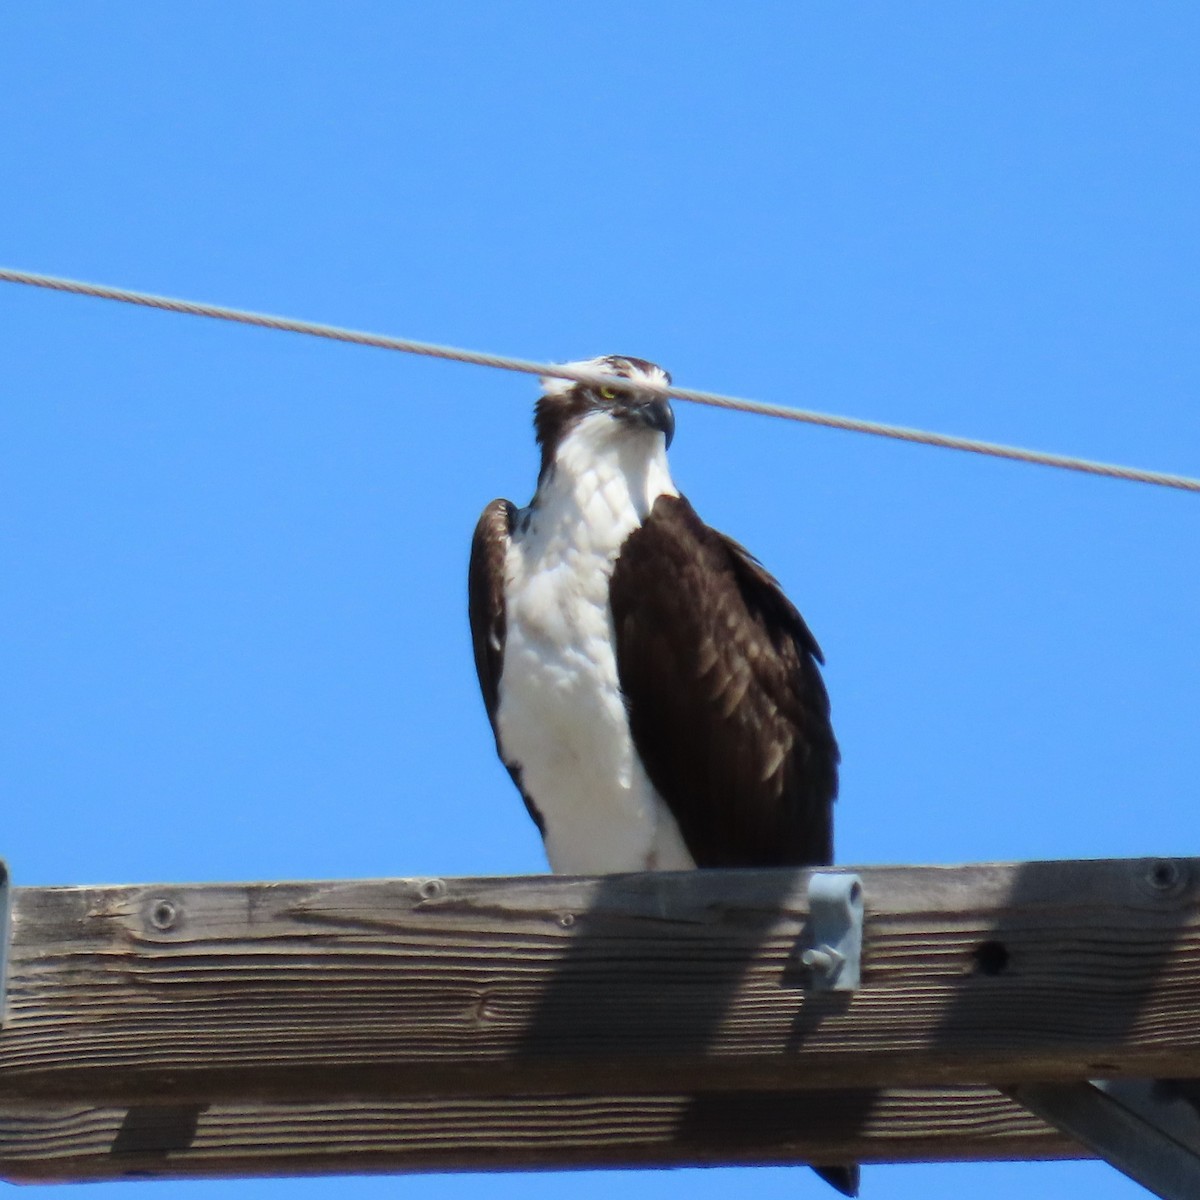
{"points": [[1164, 875], [991, 958], [163, 915]]}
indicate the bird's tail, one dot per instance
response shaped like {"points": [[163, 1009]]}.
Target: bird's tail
{"points": [[844, 1179]]}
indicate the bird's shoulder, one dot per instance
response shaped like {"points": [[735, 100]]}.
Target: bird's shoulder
{"points": [[715, 577]]}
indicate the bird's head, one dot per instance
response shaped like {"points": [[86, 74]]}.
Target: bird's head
{"points": [[638, 408]]}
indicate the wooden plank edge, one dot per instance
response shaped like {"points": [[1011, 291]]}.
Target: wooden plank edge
{"points": [[60, 1143]]}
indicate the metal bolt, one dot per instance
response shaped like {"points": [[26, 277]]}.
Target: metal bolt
{"points": [[431, 889], [823, 959]]}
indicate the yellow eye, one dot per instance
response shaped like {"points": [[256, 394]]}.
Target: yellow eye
{"points": [[608, 393]]}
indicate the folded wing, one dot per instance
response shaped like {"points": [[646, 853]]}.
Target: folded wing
{"points": [[726, 703]]}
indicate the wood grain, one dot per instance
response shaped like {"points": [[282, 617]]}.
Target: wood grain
{"points": [[46, 1143], [355, 992]]}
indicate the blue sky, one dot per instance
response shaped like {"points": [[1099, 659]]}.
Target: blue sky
{"points": [[233, 600]]}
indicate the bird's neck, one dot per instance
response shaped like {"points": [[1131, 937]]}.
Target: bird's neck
{"points": [[604, 473]]}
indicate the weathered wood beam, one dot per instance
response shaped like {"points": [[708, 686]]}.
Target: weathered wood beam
{"points": [[681, 983], [47, 1143]]}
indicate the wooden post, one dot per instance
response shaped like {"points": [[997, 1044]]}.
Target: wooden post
{"points": [[548, 1021]]}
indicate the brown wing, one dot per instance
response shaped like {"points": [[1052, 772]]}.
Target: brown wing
{"points": [[485, 606], [726, 703]]}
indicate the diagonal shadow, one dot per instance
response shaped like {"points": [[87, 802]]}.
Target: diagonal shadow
{"points": [[1027, 986], [1086, 990], [643, 980], [642, 977]]}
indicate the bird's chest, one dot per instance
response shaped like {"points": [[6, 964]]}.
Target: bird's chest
{"points": [[560, 663], [562, 718]]}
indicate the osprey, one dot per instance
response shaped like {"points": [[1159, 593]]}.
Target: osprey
{"points": [[654, 695]]}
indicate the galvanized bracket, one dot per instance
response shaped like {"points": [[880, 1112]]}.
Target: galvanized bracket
{"points": [[5, 936], [833, 936], [1149, 1129]]}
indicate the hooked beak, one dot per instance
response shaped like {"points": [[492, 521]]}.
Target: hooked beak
{"points": [[654, 414]]}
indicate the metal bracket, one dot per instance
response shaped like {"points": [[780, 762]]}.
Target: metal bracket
{"points": [[1149, 1129], [834, 933], [5, 936]]}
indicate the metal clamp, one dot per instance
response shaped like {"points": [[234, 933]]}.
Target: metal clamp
{"points": [[833, 936], [1149, 1129], [5, 935]]}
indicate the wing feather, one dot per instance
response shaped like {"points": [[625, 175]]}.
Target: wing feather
{"points": [[726, 702], [485, 602]]}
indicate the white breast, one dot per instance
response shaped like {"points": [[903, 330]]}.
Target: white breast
{"points": [[561, 716]]}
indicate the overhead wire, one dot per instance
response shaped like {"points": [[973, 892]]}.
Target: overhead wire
{"points": [[568, 371]]}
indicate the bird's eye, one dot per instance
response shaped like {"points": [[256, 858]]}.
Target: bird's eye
{"points": [[608, 393]]}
